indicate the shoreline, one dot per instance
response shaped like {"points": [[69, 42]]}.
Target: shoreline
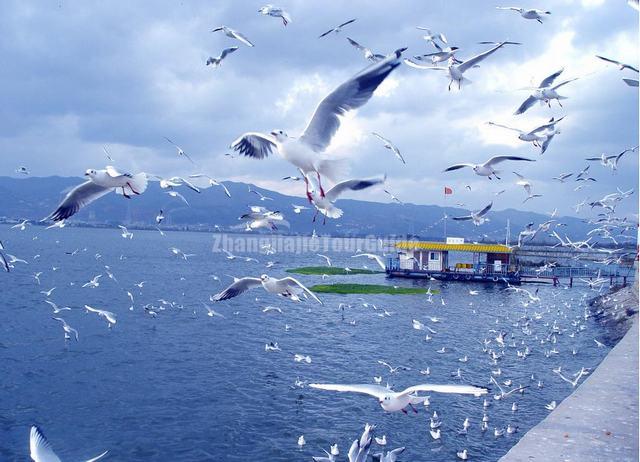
{"points": [[599, 420]]}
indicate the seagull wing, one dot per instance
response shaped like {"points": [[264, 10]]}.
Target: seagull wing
{"points": [[39, 447], [227, 51], [356, 44], [468, 64], [564, 83], [372, 390], [352, 94], [458, 166], [372, 256], [242, 38], [526, 105], [410, 63], [254, 144], [238, 287], [458, 389], [497, 159], [547, 81], [113, 172], [290, 283], [352, 185], [347, 22], [631, 82], [97, 457], [504, 126], [466, 217], [77, 198], [485, 210]]}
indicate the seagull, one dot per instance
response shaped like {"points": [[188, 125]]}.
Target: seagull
{"points": [[551, 406], [211, 312], [22, 170], [477, 216], [93, 283], [217, 61], [389, 145], [544, 93], [298, 208], [107, 315], [234, 34], [261, 196], [336, 30], [527, 14], [393, 198], [276, 12], [562, 177], [178, 148], [393, 370], [582, 372], [368, 54], [433, 36], [57, 310], [305, 152], [372, 256], [391, 456], [487, 169], [442, 55], [540, 136], [68, 330], [324, 203], [179, 196], [22, 225], [40, 449], [260, 217], [47, 293], [125, 232], [611, 161], [159, 217], [212, 182], [100, 182], [463, 455], [392, 401], [455, 70], [526, 184], [327, 259], [286, 287], [621, 66]]}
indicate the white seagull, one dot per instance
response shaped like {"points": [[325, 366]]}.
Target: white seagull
{"points": [[336, 30], [305, 152], [540, 136], [389, 145], [527, 14], [100, 182], [456, 69], [621, 66], [276, 12], [372, 256], [368, 54], [487, 169], [217, 61], [544, 93], [477, 216], [324, 203], [526, 184], [106, 315], [234, 34], [40, 449], [286, 287], [392, 401], [68, 330]]}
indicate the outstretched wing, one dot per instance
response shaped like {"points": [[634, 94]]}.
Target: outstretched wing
{"points": [[352, 94], [485, 210], [292, 283], [468, 64], [227, 51], [458, 166], [457, 389], [39, 447], [410, 63], [466, 217], [372, 390], [77, 198], [549, 80], [356, 44], [526, 105], [238, 287], [564, 83], [497, 159], [352, 185], [254, 144], [242, 38], [504, 126]]}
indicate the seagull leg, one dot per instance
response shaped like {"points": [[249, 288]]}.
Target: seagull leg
{"points": [[320, 185], [449, 87], [404, 411], [558, 103], [306, 182], [132, 190], [124, 193], [414, 409]]}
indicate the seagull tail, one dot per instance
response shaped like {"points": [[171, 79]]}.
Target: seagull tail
{"points": [[332, 168], [137, 184], [332, 212]]}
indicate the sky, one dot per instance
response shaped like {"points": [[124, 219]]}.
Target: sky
{"points": [[82, 75]]}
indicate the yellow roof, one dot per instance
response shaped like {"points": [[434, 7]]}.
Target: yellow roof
{"points": [[480, 248]]}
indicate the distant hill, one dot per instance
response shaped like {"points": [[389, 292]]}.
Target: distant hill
{"points": [[35, 197]]}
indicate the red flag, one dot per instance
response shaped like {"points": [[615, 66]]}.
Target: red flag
{"points": [[448, 190]]}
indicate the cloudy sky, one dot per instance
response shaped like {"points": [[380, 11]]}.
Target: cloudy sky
{"points": [[79, 75]]}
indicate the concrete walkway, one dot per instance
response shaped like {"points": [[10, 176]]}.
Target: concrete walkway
{"points": [[598, 422]]}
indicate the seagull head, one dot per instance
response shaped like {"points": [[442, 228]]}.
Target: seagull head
{"points": [[264, 278], [90, 173], [279, 135]]}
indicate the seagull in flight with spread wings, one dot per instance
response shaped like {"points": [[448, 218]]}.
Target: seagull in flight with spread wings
{"points": [[305, 152], [286, 287], [40, 449], [487, 169], [544, 93], [336, 30]]}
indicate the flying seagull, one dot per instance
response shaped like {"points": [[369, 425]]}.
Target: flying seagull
{"points": [[40, 449], [234, 34], [106, 315], [433, 36], [526, 184], [305, 151], [389, 145], [540, 136], [286, 287], [487, 169], [276, 12], [371, 256], [337, 29], [455, 70], [178, 148], [100, 183], [477, 216], [368, 54], [325, 203], [22, 170], [621, 66], [527, 14], [217, 61], [392, 401], [544, 93]]}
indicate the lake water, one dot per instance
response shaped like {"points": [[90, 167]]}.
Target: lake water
{"points": [[187, 387]]}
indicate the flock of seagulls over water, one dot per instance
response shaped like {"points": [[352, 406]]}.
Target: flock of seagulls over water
{"points": [[537, 327]]}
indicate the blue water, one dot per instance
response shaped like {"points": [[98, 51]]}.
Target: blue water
{"points": [[188, 387]]}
